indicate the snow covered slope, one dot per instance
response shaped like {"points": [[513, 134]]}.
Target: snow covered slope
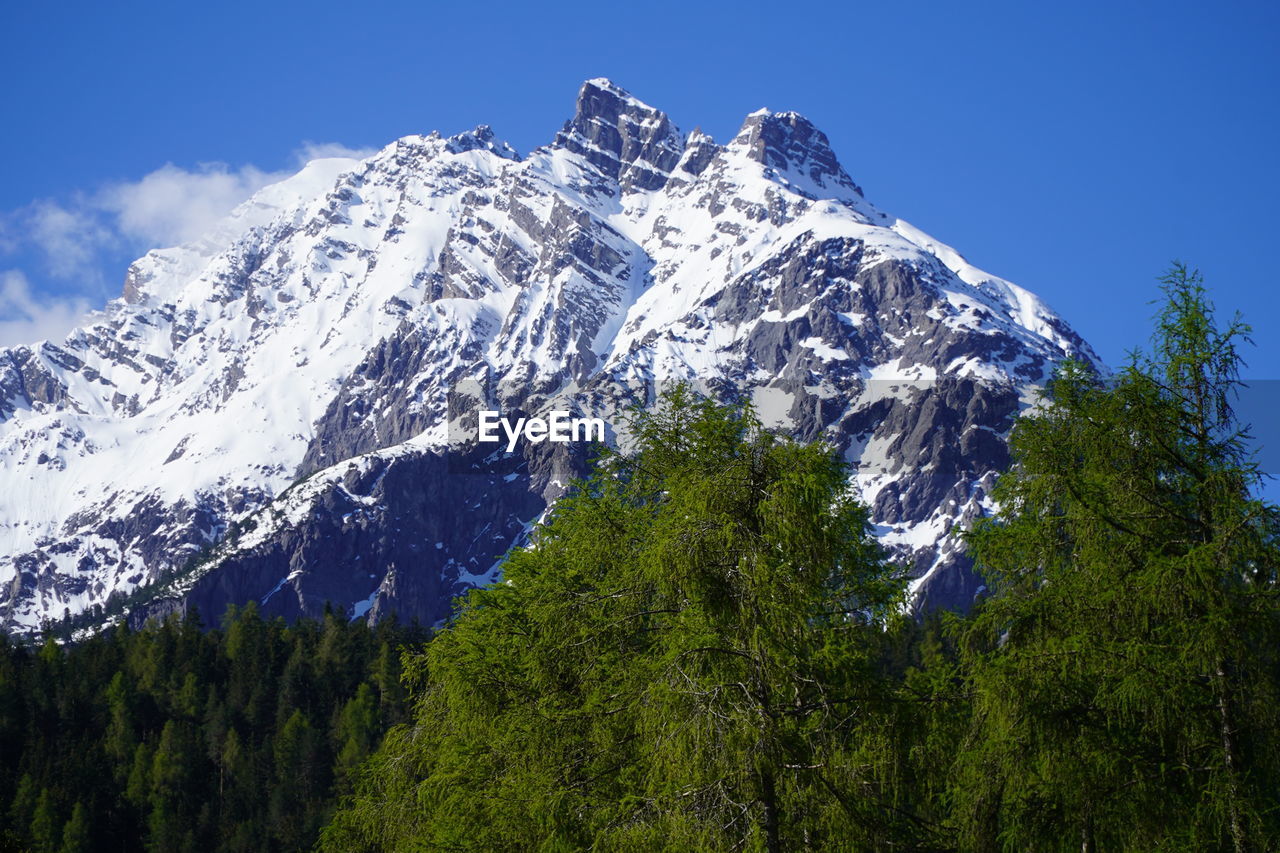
{"points": [[280, 388]]}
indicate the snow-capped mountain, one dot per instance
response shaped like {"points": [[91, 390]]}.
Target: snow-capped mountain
{"points": [[265, 414]]}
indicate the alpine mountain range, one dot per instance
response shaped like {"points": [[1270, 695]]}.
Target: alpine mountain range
{"points": [[267, 414]]}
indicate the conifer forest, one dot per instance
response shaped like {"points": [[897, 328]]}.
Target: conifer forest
{"points": [[703, 647]]}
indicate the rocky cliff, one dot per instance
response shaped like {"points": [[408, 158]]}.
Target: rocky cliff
{"points": [[269, 414]]}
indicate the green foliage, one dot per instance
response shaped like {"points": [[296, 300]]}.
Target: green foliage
{"points": [[176, 738], [686, 658], [1125, 679], [44, 825], [76, 837], [703, 649]]}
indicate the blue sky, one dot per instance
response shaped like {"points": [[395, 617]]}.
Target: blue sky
{"points": [[1074, 148]]}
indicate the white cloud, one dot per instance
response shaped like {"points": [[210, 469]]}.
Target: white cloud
{"points": [[70, 239], [172, 205], [25, 318], [9, 236], [166, 207], [89, 237], [321, 150]]}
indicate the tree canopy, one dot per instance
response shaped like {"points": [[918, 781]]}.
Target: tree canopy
{"points": [[702, 647], [683, 658], [182, 737], [1124, 671]]}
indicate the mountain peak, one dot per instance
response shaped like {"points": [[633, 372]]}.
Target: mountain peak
{"points": [[789, 143], [622, 136], [607, 86], [482, 138], [283, 388]]}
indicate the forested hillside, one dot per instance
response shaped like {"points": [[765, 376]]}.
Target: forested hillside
{"points": [[703, 647], [191, 737]]}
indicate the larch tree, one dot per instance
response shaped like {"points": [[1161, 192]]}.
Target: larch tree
{"points": [[1125, 675], [684, 658]]}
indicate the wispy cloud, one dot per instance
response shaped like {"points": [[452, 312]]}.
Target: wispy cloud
{"points": [[69, 238], [86, 240], [309, 151], [26, 318], [173, 205]]}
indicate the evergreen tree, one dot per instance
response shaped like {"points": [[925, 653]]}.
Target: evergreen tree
{"points": [[387, 676], [44, 825], [357, 733], [23, 807], [120, 740], [1124, 675], [76, 837], [684, 659], [163, 739], [173, 767], [299, 778]]}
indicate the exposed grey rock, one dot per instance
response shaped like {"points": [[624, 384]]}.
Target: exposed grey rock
{"points": [[321, 342], [789, 142], [629, 142]]}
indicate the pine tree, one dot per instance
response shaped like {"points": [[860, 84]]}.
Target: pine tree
{"points": [[390, 689], [357, 733], [76, 837], [44, 825], [174, 768], [121, 740], [682, 660], [301, 775], [138, 788], [165, 738], [1125, 675]]}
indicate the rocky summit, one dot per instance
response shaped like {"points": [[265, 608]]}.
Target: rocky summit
{"points": [[270, 413]]}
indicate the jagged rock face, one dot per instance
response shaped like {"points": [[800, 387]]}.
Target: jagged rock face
{"points": [[627, 141], [281, 392]]}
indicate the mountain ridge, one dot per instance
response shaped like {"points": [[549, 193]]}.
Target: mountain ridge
{"points": [[317, 333]]}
